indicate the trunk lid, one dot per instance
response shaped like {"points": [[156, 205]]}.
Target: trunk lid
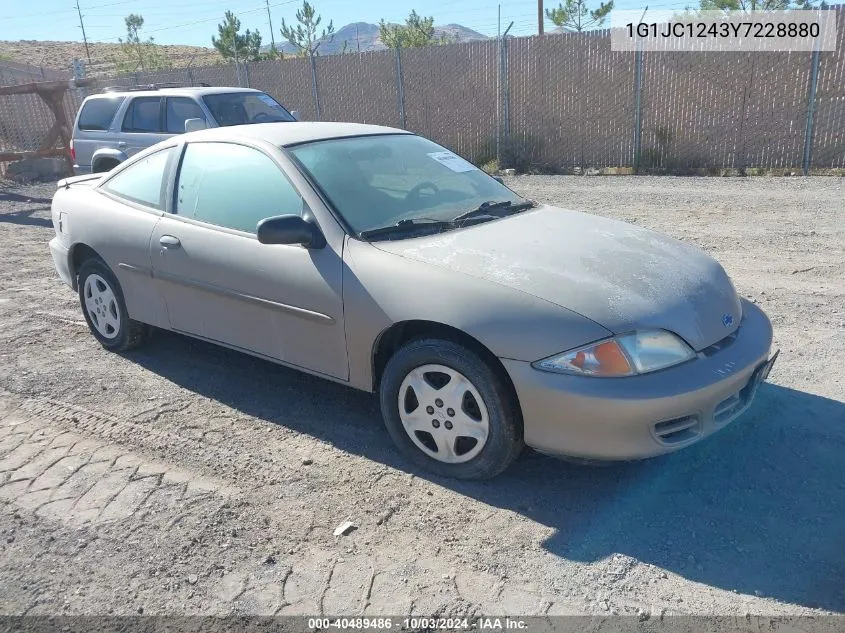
{"points": [[87, 180]]}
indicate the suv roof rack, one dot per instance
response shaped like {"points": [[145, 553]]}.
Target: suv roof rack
{"points": [[140, 87]]}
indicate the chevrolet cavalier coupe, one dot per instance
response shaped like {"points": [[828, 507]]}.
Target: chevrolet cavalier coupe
{"points": [[375, 258]]}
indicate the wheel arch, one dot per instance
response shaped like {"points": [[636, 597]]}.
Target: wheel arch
{"points": [[79, 254], [106, 155], [403, 332]]}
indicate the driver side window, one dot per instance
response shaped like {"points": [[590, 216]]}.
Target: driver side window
{"points": [[233, 186]]}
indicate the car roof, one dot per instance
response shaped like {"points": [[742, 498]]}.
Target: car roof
{"points": [[196, 91], [289, 133]]}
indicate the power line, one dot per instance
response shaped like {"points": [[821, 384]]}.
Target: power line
{"points": [[71, 10]]}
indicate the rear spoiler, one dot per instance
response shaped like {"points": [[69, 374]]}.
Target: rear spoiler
{"points": [[67, 182]]}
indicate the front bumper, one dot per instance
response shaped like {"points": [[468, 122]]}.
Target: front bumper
{"points": [[647, 415], [61, 259]]}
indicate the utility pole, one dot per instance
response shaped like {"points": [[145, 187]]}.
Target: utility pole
{"points": [[270, 19], [357, 39], [539, 17], [82, 26]]}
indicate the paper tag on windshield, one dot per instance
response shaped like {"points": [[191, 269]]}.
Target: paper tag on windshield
{"points": [[452, 161]]}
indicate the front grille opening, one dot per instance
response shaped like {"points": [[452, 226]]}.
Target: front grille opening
{"points": [[677, 430], [720, 345], [727, 409], [731, 407], [725, 343]]}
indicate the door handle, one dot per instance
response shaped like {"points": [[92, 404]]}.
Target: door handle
{"points": [[168, 241], [121, 144]]}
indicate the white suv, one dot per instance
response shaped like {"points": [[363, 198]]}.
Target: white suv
{"points": [[112, 126]]}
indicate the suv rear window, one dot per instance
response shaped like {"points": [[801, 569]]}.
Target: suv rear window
{"points": [[97, 114]]}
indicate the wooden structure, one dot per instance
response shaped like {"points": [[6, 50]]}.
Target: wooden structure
{"points": [[53, 94]]}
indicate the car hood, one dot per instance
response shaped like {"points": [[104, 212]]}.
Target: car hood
{"points": [[619, 275]]}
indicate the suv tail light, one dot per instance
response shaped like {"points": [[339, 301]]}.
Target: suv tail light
{"points": [[72, 151]]}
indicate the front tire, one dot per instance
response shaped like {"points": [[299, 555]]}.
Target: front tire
{"points": [[101, 298], [449, 411]]}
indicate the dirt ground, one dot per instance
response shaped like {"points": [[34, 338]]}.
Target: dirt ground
{"points": [[185, 478]]}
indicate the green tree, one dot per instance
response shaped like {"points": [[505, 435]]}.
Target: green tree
{"points": [[306, 36], [573, 15], [759, 5], [136, 53], [233, 45], [416, 32]]}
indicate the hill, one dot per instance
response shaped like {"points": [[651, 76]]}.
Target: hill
{"points": [[60, 55], [357, 36], [364, 36]]}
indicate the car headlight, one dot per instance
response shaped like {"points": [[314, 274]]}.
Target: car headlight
{"points": [[625, 355]]}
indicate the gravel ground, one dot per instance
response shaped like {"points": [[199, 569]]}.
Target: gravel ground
{"points": [[185, 478]]}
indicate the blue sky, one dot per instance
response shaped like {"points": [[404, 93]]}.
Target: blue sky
{"points": [[194, 21]]}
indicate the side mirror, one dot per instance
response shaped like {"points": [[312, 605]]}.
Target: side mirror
{"points": [[290, 229], [499, 179], [295, 114], [192, 125]]}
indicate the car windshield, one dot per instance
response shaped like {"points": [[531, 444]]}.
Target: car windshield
{"points": [[240, 108], [379, 181]]}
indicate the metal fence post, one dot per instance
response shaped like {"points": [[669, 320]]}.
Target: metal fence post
{"points": [[811, 109], [506, 87], [400, 89], [503, 127], [314, 87], [638, 118], [246, 74]]}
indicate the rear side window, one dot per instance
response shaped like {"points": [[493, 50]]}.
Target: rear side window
{"points": [[214, 177], [143, 115], [142, 182], [177, 111], [97, 114]]}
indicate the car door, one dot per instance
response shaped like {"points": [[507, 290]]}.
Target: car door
{"points": [[121, 222], [142, 125], [177, 110], [220, 283]]}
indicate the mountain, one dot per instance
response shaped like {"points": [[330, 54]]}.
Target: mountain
{"points": [[363, 36], [459, 33]]}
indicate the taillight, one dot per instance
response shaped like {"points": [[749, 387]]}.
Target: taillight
{"points": [[72, 151]]}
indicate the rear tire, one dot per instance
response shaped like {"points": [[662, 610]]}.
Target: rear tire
{"points": [[101, 298], [449, 411]]}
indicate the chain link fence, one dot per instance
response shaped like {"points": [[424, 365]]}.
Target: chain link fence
{"points": [[555, 103], [26, 119]]}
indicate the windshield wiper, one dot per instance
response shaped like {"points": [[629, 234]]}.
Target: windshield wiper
{"points": [[485, 208], [476, 216], [407, 225]]}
